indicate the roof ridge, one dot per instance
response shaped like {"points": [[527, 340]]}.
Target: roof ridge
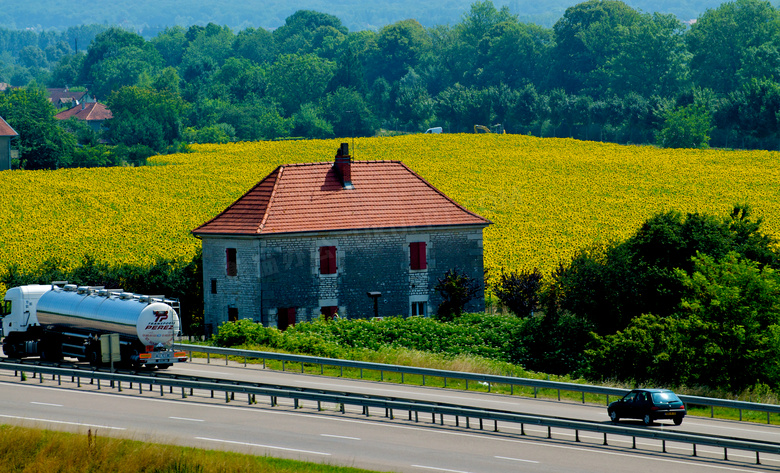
{"points": [[320, 163], [270, 199], [444, 195]]}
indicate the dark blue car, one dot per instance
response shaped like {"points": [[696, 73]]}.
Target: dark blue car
{"points": [[648, 405]]}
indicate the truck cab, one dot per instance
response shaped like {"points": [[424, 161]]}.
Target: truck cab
{"points": [[18, 308]]}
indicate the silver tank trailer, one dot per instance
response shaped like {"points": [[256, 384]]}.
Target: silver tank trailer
{"points": [[97, 311]]}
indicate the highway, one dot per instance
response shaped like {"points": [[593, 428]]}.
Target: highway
{"points": [[352, 439]]}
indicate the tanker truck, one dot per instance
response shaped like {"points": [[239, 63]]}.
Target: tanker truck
{"points": [[59, 319]]}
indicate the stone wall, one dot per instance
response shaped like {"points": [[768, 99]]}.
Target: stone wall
{"points": [[284, 272]]}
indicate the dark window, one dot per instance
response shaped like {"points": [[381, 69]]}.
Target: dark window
{"points": [[418, 308], [327, 260], [232, 267], [232, 314], [213, 286], [329, 312], [285, 318], [417, 255]]}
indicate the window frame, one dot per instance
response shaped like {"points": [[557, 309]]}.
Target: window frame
{"points": [[328, 260], [231, 262], [418, 256]]}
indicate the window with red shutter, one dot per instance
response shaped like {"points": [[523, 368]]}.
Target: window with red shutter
{"points": [[231, 266], [417, 255], [327, 260]]}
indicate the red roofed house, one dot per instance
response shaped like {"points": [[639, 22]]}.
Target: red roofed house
{"points": [[66, 98], [6, 133], [94, 113], [356, 238]]}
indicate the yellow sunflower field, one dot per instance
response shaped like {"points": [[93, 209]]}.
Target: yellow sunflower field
{"points": [[546, 197]]}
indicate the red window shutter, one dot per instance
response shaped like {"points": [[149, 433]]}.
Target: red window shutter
{"points": [[327, 260], [417, 255]]}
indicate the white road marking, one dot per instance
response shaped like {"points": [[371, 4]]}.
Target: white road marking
{"points": [[62, 422], [188, 419], [595, 448], [262, 446], [340, 437], [438, 469], [45, 404], [516, 459]]}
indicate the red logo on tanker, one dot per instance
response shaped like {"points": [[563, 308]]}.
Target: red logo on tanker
{"points": [[160, 316]]}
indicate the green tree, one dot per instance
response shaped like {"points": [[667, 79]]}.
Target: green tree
{"points": [[723, 41], [399, 47], [587, 37], [456, 290], [348, 113], [147, 117], [310, 32], [519, 291], [686, 127], [297, 79], [42, 143]]}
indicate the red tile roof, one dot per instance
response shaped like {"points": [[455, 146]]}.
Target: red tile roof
{"points": [[91, 111], [64, 95], [311, 198], [6, 130]]}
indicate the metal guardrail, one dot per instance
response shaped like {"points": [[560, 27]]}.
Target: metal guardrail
{"points": [[391, 405], [484, 378]]}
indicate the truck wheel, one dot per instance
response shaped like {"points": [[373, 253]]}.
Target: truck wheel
{"points": [[94, 358]]}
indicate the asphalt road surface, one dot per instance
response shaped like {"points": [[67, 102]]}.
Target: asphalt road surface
{"points": [[373, 442]]}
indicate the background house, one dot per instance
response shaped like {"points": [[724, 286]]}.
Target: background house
{"points": [[63, 98], [318, 238], [94, 113], [6, 133]]}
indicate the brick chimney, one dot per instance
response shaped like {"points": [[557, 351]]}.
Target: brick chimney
{"points": [[343, 165]]}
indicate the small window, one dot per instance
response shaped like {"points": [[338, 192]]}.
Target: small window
{"points": [[418, 308], [285, 317], [417, 255], [232, 267], [329, 312], [327, 260], [232, 314], [213, 286], [6, 307]]}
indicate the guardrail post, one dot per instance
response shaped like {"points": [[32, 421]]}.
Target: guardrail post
{"points": [[725, 453], [457, 421], [495, 425], [119, 386], [712, 411], [295, 403], [423, 380], [767, 418], [381, 375], [576, 435], [183, 394], [522, 428], [559, 395], [391, 414], [549, 432], [161, 391], [441, 419], [534, 392], [740, 415], [445, 380], [694, 449], [663, 446], [227, 397], [342, 408], [319, 405], [140, 388], [433, 417], [342, 371], [59, 380], [98, 383], [758, 462], [583, 397], [361, 373], [322, 369], [302, 365], [467, 422], [467, 385], [480, 423], [244, 361], [283, 363], [402, 377], [78, 382], [208, 357], [226, 360]]}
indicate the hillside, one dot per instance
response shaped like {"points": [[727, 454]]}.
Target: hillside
{"points": [[149, 17], [546, 197]]}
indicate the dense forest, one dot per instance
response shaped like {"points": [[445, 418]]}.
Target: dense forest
{"points": [[604, 71]]}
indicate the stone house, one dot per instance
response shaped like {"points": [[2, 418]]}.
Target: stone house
{"points": [[357, 238], [6, 133]]}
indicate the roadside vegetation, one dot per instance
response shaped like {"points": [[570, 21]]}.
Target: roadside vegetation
{"points": [[33, 450]]}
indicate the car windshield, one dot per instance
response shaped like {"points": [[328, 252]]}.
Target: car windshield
{"points": [[665, 397]]}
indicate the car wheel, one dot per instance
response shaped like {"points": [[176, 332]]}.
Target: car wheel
{"points": [[647, 419], [678, 420], [614, 416]]}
